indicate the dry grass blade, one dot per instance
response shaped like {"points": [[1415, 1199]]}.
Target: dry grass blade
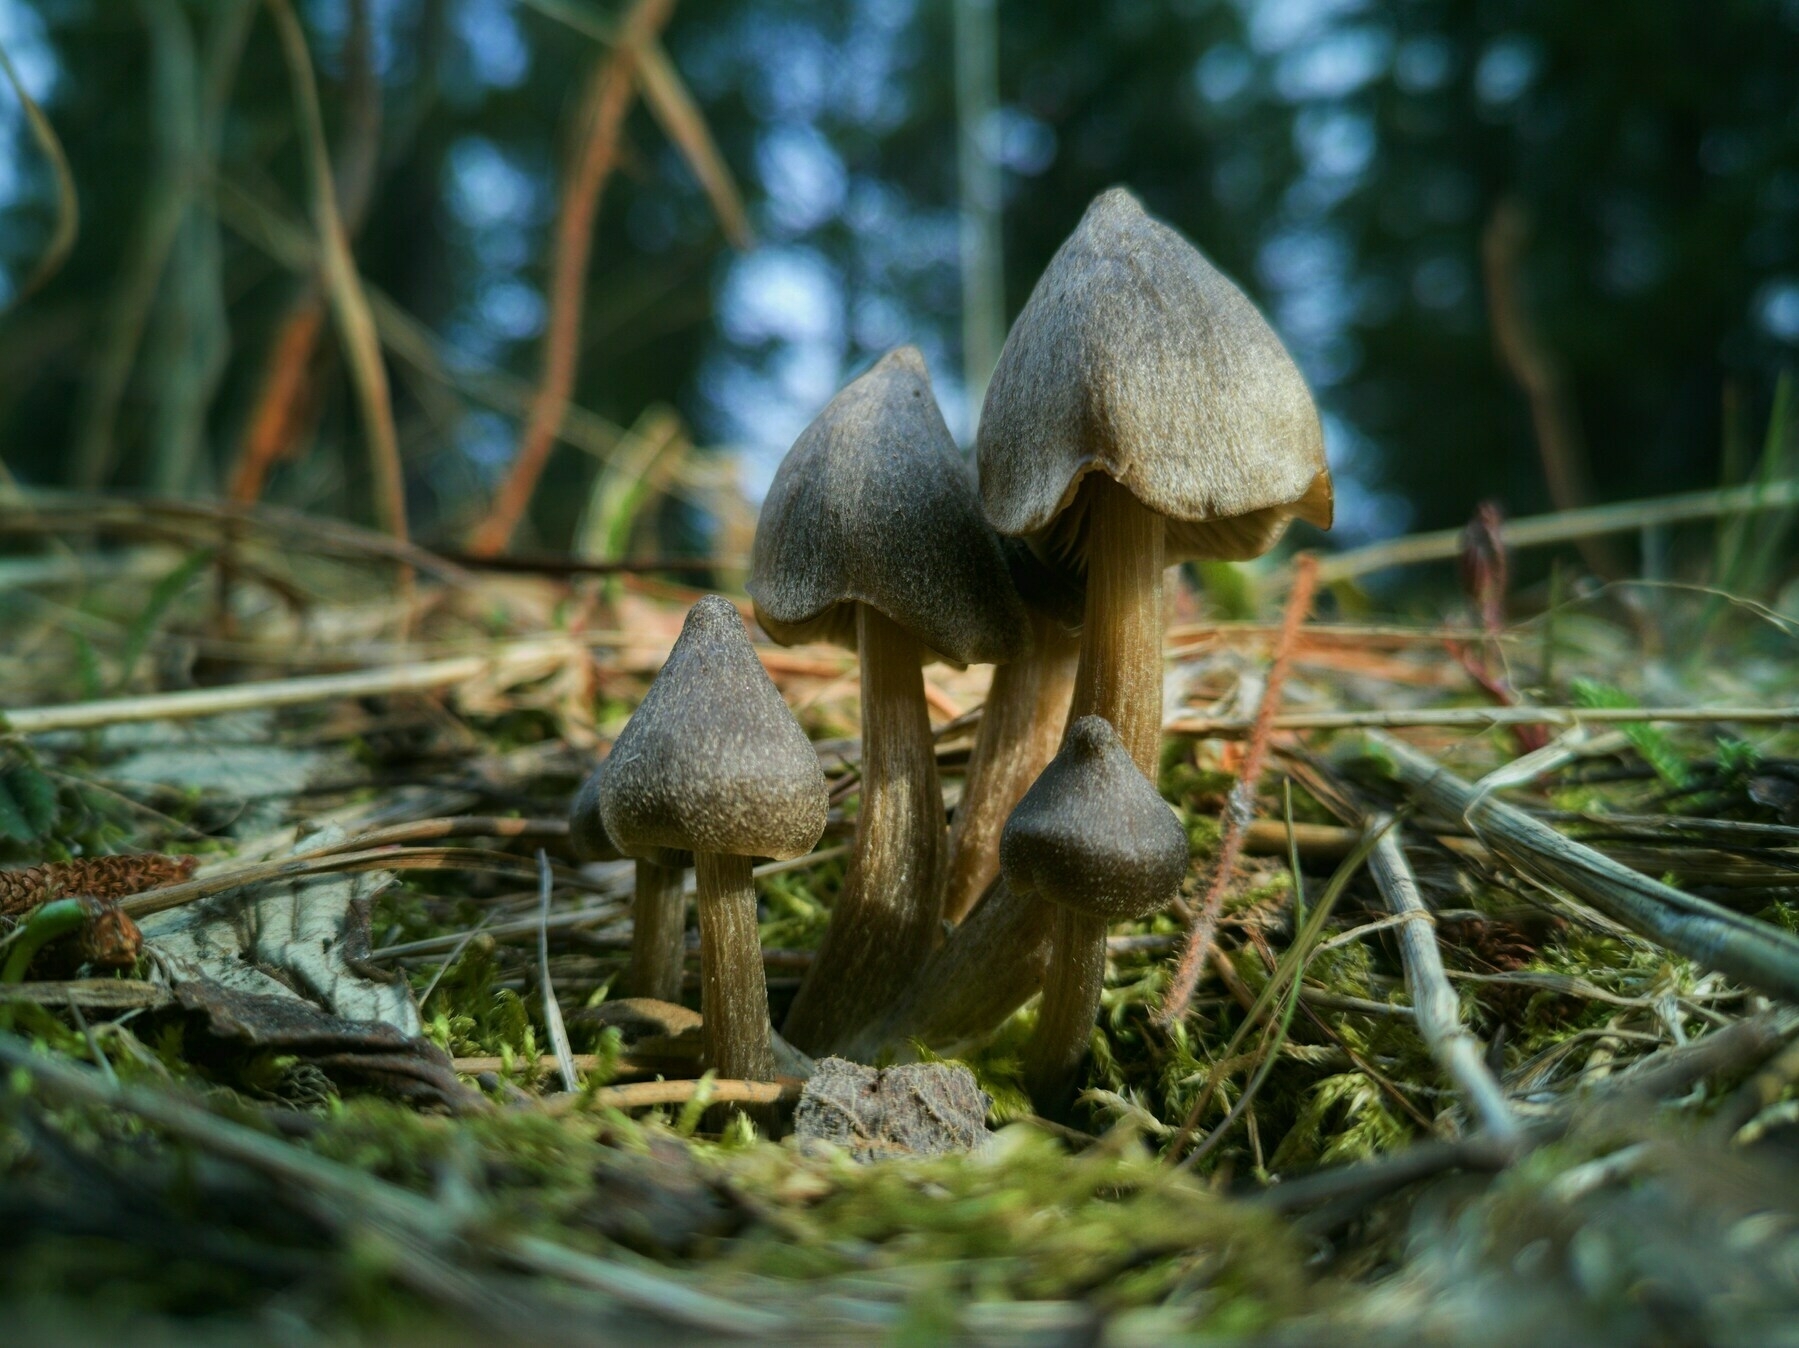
{"points": [[421, 676], [1756, 953], [596, 151], [1435, 1007], [68, 204], [349, 305], [1480, 718], [1535, 531], [667, 97], [552, 1009], [1241, 810]]}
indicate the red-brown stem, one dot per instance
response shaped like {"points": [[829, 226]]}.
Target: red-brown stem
{"points": [[1242, 803], [1070, 1005], [1027, 705], [658, 933], [601, 123], [886, 918], [733, 989]]}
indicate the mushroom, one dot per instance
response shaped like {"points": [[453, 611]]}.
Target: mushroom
{"points": [[872, 537], [1141, 412], [1021, 725], [1092, 839], [658, 904], [713, 763]]}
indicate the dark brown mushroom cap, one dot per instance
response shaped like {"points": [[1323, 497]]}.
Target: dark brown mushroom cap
{"points": [[875, 505], [587, 836], [712, 760], [1092, 834], [1135, 357]]}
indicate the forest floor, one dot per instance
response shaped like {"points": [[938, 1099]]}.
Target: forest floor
{"points": [[314, 1094]]}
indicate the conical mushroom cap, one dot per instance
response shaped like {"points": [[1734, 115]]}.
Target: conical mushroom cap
{"points": [[587, 836], [1137, 358], [1092, 834], [874, 505], [712, 760]]}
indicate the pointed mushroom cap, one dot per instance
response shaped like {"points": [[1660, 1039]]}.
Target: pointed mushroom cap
{"points": [[1092, 834], [1137, 358], [587, 836], [875, 505], [712, 760]]}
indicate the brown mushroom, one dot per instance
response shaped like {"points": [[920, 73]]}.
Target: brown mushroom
{"points": [[872, 537], [712, 762], [1142, 411], [1092, 839], [658, 903]]}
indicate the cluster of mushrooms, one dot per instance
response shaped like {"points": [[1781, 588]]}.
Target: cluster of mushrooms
{"points": [[1142, 412]]}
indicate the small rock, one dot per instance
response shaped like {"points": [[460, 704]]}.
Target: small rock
{"points": [[918, 1109]]}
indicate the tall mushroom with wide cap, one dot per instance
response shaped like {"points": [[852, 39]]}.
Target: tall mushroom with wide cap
{"points": [[1094, 841], [872, 537], [658, 904], [713, 763], [1142, 411]]}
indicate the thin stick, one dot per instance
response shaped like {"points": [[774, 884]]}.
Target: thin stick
{"points": [[1477, 718], [1755, 953], [1435, 1007], [552, 1009], [1239, 813], [609, 94], [726, 1091], [520, 658]]}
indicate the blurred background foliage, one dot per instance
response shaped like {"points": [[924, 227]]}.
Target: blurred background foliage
{"points": [[1443, 206]]}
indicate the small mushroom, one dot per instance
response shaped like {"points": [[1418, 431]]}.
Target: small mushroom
{"points": [[1142, 411], [658, 904], [1092, 839], [713, 763], [872, 537]]}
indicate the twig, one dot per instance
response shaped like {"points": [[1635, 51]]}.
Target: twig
{"points": [[1476, 718], [1241, 809], [1755, 953], [729, 1091], [519, 659], [608, 97], [1565, 526], [1435, 1008]]}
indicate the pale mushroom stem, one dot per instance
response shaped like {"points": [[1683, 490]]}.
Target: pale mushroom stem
{"points": [[658, 933], [886, 918], [1021, 727], [733, 990], [1120, 675], [1069, 1008]]}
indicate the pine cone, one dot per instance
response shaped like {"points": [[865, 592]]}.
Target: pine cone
{"points": [[97, 877]]}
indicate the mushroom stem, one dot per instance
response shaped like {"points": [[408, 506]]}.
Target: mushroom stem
{"points": [[733, 991], [1021, 726], [989, 967], [1069, 1008], [886, 918], [1120, 675], [658, 933]]}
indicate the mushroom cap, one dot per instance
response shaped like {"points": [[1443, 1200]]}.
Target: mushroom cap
{"points": [[587, 836], [1092, 834], [712, 760], [874, 504], [1137, 358]]}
